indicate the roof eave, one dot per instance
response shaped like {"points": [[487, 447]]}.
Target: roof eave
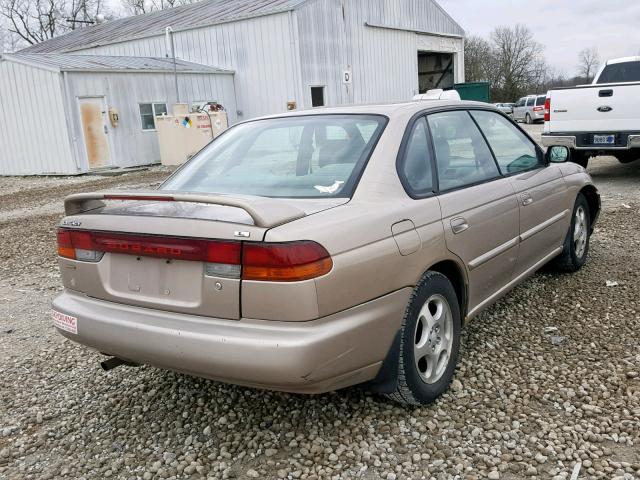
{"points": [[161, 34]]}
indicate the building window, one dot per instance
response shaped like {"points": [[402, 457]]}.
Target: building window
{"points": [[148, 112], [317, 97]]}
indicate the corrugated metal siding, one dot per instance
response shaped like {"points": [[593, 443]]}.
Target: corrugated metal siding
{"points": [[259, 50], [68, 62], [129, 144], [33, 131], [383, 61], [204, 13]]}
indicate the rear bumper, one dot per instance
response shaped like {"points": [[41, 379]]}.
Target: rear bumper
{"points": [[333, 352], [573, 140]]}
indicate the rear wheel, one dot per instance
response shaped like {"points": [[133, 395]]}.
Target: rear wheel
{"points": [[628, 157], [528, 119], [576, 244], [581, 158], [429, 343]]}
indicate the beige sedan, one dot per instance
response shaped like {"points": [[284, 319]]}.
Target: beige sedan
{"points": [[313, 251]]}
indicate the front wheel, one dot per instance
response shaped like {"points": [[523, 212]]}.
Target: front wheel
{"points": [[576, 244], [429, 343]]}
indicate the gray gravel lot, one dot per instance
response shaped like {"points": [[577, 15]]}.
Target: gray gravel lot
{"points": [[520, 406]]}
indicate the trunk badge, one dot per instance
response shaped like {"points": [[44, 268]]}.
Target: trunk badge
{"points": [[242, 234]]}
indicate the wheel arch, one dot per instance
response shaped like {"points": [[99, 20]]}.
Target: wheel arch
{"points": [[590, 193], [457, 276]]}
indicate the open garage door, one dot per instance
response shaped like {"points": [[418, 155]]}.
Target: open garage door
{"points": [[435, 70]]}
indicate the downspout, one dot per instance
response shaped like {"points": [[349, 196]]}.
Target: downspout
{"points": [[73, 143], [295, 44], [171, 48]]}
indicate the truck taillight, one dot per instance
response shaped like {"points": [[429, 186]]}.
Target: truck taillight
{"points": [[275, 262], [547, 110]]}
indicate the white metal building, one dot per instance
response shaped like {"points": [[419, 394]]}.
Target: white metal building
{"points": [[68, 114], [289, 54]]}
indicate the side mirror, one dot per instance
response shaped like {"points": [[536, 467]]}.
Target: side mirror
{"points": [[558, 154]]}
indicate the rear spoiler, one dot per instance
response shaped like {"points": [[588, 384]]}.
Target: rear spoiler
{"points": [[265, 212]]}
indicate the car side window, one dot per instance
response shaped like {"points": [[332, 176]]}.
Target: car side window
{"points": [[512, 149], [416, 164], [462, 156], [531, 101]]}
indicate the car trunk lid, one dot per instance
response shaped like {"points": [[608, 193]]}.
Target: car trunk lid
{"points": [[151, 246]]}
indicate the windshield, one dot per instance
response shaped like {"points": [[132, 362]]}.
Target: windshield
{"points": [[294, 157], [620, 72]]}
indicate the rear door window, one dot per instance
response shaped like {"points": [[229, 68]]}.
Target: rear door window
{"points": [[513, 151], [415, 168], [462, 156]]}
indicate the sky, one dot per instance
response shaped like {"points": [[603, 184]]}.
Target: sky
{"points": [[564, 27]]}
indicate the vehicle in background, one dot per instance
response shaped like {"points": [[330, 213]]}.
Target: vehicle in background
{"points": [[341, 246], [598, 119], [505, 107], [529, 109]]}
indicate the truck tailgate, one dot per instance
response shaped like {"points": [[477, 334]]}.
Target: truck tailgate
{"points": [[580, 109]]}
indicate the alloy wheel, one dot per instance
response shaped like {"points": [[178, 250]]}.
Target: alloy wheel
{"points": [[433, 339], [580, 234]]}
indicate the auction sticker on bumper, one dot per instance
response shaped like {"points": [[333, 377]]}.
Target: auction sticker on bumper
{"points": [[65, 322]]}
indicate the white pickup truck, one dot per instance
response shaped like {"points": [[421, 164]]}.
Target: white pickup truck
{"points": [[602, 118]]}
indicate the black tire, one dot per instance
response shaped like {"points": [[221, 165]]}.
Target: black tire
{"points": [[528, 120], [571, 260], [580, 158], [411, 389], [628, 157]]}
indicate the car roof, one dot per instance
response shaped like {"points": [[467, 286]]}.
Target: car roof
{"points": [[388, 110]]}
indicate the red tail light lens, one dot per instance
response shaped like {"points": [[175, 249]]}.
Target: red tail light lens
{"points": [[284, 262], [65, 246], [547, 110], [276, 262], [537, 109], [168, 247], [71, 241]]}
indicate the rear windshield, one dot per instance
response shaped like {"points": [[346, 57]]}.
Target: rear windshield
{"points": [[540, 101], [530, 102], [620, 72], [315, 156]]}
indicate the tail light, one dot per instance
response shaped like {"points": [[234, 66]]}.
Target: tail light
{"points": [[538, 109], [276, 262], [284, 262], [547, 110]]}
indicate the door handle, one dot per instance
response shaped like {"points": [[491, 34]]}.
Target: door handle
{"points": [[605, 93], [526, 199], [459, 225]]}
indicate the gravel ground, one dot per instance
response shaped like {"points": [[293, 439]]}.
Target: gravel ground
{"points": [[549, 377]]}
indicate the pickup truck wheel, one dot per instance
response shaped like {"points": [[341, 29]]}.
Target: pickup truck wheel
{"points": [[528, 120], [580, 158], [576, 244], [429, 342], [628, 157]]}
